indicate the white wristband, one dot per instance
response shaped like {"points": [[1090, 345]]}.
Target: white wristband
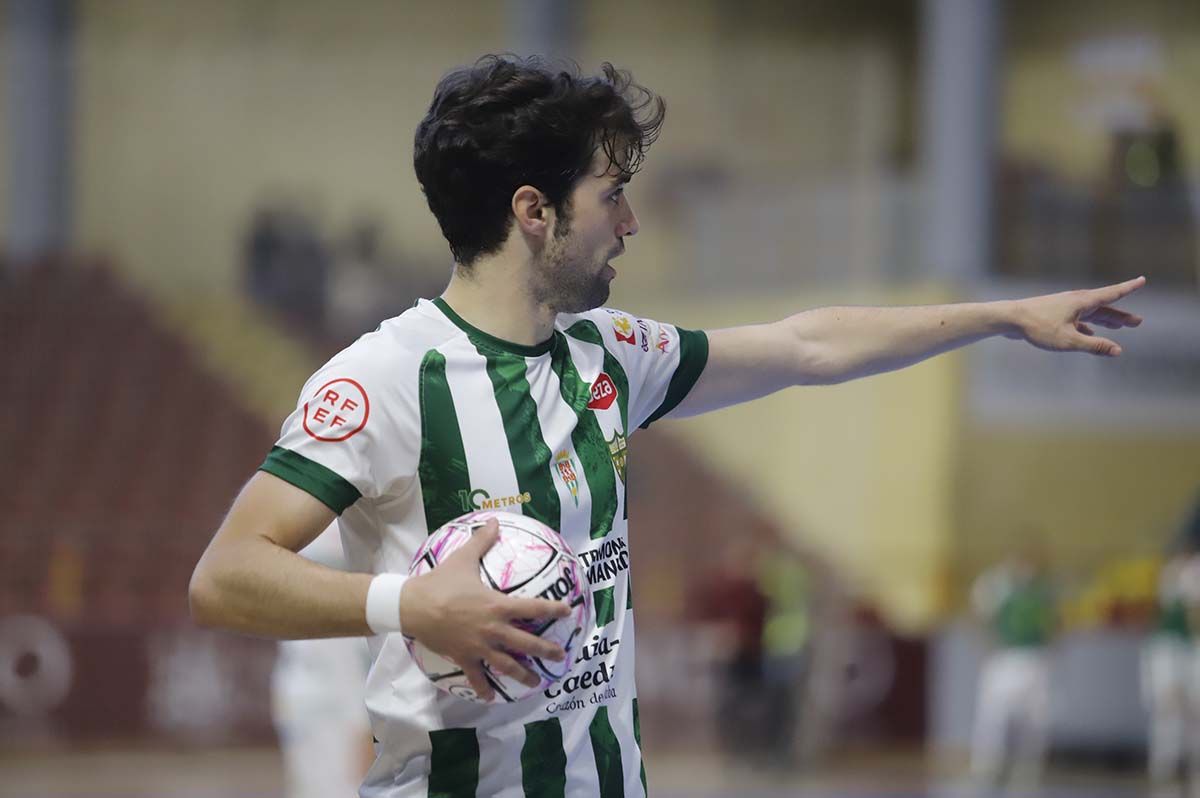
{"points": [[383, 603]]}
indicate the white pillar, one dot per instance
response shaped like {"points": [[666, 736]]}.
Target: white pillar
{"points": [[959, 52], [38, 113], [544, 27]]}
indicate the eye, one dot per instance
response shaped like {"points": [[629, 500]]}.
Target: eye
{"points": [[616, 196]]}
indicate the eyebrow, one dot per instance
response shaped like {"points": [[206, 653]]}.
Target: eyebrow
{"points": [[618, 181]]}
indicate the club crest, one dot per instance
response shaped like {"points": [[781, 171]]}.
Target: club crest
{"points": [[616, 450], [565, 464]]}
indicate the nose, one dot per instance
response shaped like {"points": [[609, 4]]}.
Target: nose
{"points": [[628, 225]]}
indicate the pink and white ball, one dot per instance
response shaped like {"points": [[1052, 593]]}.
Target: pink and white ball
{"points": [[529, 560]]}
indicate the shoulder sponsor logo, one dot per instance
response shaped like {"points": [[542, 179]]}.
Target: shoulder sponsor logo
{"points": [[565, 464], [479, 499], [644, 328], [336, 411], [617, 449], [604, 393], [664, 341], [624, 330]]}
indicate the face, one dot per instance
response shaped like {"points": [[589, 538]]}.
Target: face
{"points": [[572, 273]]}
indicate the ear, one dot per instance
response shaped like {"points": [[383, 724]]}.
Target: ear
{"points": [[532, 211]]}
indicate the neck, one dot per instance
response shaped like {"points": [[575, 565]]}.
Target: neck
{"points": [[494, 296]]}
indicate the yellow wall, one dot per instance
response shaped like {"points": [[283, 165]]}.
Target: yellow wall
{"points": [[1097, 497], [190, 114], [862, 472]]}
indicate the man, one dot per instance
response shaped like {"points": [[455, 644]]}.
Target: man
{"points": [[472, 400], [1016, 601]]}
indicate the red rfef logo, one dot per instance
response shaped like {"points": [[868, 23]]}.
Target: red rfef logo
{"points": [[337, 410], [603, 393]]}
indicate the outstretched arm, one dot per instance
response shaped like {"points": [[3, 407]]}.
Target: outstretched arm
{"points": [[832, 345]]}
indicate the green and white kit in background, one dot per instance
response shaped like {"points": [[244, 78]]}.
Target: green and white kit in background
{"points": [[428, 418]]}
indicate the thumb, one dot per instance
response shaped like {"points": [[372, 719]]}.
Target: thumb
{"points": [[1097, 346]]}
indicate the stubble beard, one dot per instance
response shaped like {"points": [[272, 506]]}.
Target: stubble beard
{"points": [[564, 278]]}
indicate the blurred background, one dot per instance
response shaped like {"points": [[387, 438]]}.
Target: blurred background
{"points": [[203, 201]]}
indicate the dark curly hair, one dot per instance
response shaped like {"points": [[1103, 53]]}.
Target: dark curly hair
{"points": [[508, 121]]}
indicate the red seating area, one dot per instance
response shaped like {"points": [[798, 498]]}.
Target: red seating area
{"points": [[119, 451]]}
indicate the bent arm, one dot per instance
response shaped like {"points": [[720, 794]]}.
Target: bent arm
{"points": [[832, 345], [251, 580]]}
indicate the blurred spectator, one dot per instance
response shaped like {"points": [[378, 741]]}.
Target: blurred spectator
{"points": [[1166, 674], [318, 705], [287, 267], [787, 586], [731, 603], [358, 289], [1016, 601], [1145, 206], [370, 282]]}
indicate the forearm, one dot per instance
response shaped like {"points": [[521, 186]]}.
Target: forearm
{"points": [[259, 588], [837, 344]]}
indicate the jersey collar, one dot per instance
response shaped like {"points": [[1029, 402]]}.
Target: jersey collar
{"points": [[480, 337]]}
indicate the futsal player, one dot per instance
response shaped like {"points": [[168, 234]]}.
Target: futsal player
{"points": [[471, 399]]}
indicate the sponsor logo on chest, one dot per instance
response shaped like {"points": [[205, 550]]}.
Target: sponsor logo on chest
{"points": [[604, 393], [480, 499], [603, 559]]}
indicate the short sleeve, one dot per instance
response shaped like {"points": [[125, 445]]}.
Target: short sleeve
{"points": [[662, 362], [343, 442]]}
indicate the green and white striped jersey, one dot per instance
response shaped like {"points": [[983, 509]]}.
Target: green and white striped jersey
{"points": [[428, 418]]}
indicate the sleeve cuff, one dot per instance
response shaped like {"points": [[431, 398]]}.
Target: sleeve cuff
{"points": [[693, 356], [323, 484]]}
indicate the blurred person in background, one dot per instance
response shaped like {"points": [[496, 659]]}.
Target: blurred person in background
{"points": [[363, 288], [790, 587], [317, 702], [1167, 673], [525, 167], [1015, 600], [286, 265], [1146, 201], [730, 606]]}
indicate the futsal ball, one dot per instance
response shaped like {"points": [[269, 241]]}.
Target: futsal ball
{"points": [[529, 560]]}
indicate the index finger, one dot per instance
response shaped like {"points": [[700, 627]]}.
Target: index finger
{"points": [[1111, 293], [528, 608]]}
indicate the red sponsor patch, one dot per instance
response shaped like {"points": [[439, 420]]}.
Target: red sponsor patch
{"points": [[624, 330], [337, 410], [604, 393]]}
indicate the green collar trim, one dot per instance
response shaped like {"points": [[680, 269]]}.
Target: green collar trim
{"points": [[480, 337]]}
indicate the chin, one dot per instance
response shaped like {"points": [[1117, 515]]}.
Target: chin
{"points": [[594, 299]]}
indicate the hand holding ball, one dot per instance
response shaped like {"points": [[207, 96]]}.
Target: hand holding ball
{"points": [[496, 640]]}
